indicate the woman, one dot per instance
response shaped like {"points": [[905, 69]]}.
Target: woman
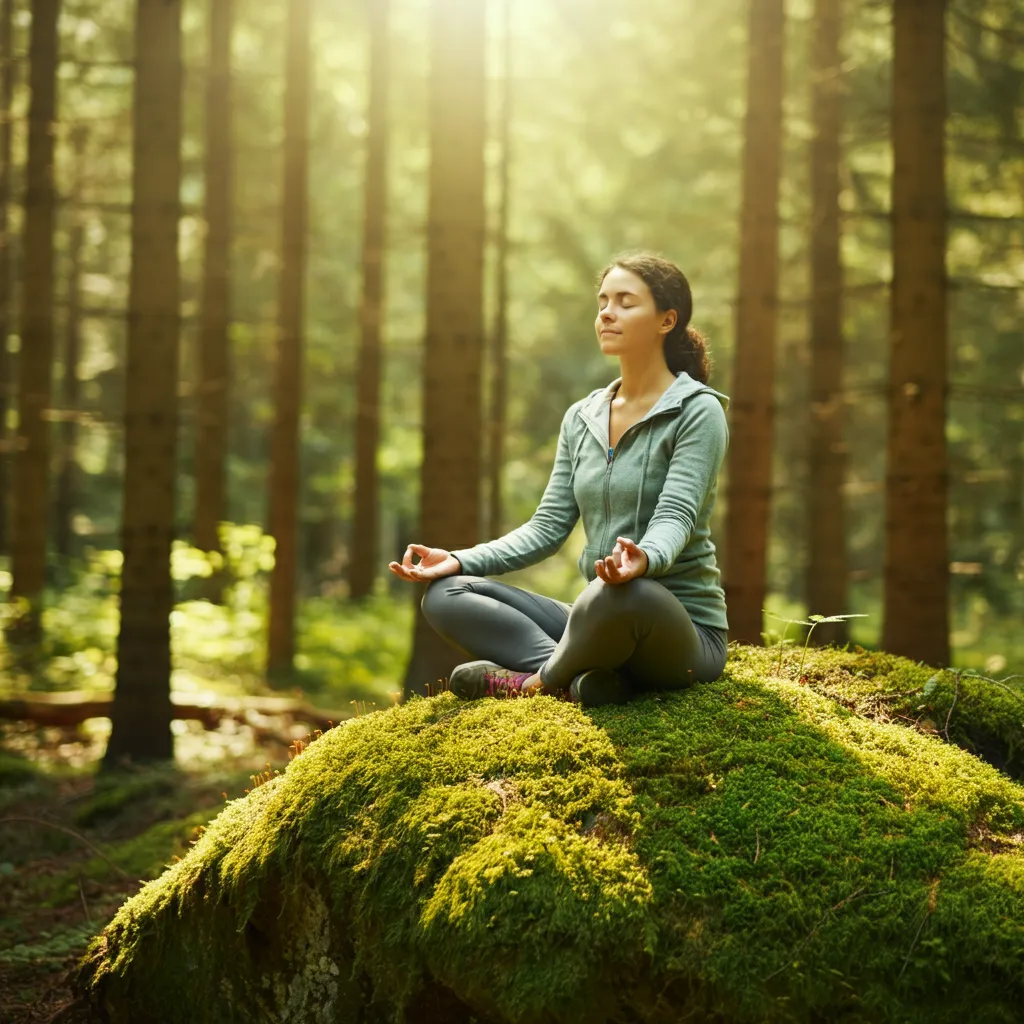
{"points": [[639, 461]]}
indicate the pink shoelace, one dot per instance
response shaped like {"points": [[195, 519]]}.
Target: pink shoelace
{"points": [[504, 683]]}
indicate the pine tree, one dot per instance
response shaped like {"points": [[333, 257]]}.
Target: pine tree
{"points": [[284, 444], [215, 310], [6, 363], [141, 712], [916, 546], [750, 456], [364, 548], [450, 472], [30, 494], [827, 566]]}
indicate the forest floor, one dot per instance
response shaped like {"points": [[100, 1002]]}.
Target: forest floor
{"points": [[75, 842]]}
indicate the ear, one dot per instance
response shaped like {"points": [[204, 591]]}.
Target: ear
{"points": [[668, 321]]}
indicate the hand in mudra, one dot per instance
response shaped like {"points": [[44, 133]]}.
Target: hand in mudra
{"points": [[432, 565], [626, 562]]}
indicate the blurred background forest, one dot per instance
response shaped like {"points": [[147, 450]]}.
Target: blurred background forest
{"points": [[305, 245]]}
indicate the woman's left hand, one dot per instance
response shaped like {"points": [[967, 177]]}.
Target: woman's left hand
{"points": [[626, 562]]}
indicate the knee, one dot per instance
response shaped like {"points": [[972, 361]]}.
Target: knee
{"points": [[437, 597], [602, 599]]}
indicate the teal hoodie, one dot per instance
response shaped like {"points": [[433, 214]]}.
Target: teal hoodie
{"points": [[658, 488]]}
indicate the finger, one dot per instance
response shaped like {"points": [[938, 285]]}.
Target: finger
{"points": [[420, 549], [407, 557], [626, 543], [399, 570]]}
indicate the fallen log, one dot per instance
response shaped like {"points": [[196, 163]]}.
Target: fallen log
{"points": [[71, 708]]}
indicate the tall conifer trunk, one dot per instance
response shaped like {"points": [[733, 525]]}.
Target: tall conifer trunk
{"points": [[215, 311], [284, 443], [67, 476], [35, 359], [826, 568], [450, 473], [497, 412], [141, 713], [364, 548], [750, 457], [6, 363], [916, 545]]}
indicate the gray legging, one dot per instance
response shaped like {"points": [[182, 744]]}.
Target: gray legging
{"points": [[638, 628]]}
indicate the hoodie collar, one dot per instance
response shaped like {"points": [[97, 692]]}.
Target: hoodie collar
{"points": [[595, 408]]}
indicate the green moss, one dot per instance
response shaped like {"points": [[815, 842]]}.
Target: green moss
{"points": [[113, 793], [981, 715], [748, 850], [141, 857]]}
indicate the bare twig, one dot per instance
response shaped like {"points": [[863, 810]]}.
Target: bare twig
{"points": [[757, 852], [85, 906], [70, 831], [949, 715], [917, 935]]}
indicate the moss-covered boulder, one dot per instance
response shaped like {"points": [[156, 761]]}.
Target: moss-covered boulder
{"points": [[747, 850]]}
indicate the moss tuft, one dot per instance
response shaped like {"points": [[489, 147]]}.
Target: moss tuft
{"points": [[984, 716], [747, 850]]}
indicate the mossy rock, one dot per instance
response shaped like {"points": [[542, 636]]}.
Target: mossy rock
{"points": [[748, 850]]}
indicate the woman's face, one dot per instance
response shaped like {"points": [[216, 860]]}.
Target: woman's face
{"points": [[628, 320]]}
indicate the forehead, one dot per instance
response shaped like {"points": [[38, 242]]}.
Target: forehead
{"points": [[620, 281]]}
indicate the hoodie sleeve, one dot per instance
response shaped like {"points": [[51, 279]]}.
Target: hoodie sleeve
{"points": [[545, 532], [702, 438]]}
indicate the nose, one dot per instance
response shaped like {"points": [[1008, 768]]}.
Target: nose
{"points": [[606, 315]]}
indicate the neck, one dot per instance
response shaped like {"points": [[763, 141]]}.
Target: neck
{"points": [[643, 379]]}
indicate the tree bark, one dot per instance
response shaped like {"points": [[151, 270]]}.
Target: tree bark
{"points": [[827, 567], [35, 359], [141, 713], [752, 409], [6, 363], [284, 443], [450, 472], [916, 545], [498, 411], [215, 312], [363, 551], [66, 478]]}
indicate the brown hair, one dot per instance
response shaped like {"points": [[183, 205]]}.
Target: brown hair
{"points": [[685, 347]]}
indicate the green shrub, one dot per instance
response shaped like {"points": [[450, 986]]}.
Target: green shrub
{"points": [[747, 850]]}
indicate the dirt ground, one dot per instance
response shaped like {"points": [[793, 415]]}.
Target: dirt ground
{"points": [[75, 842]]}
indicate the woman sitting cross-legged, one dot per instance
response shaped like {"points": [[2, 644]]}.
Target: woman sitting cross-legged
{"points": [[639, 461]]}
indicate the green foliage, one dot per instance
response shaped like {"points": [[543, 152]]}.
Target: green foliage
{"points": [[346, 651], [747, 850]]}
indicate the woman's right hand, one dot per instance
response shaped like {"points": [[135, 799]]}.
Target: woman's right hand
{"points": [[433, 564]]}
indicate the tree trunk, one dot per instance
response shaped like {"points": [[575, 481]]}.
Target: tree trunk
{"points": [[141, 714], [750, 459], [65, 535], [450, 472], [35, 360], [6, 363], [215, 312], [498, 411], [284, 442], [916, 544], [826, 568], [364, 549]]}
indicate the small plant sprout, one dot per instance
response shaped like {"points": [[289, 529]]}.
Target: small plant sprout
{"points": [[811, 621]]}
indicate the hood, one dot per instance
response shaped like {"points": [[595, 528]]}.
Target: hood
{"points": [[594, 409]]}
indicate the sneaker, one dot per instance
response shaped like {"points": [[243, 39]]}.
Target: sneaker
{"points": [[486, 679], [598, 686]]}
